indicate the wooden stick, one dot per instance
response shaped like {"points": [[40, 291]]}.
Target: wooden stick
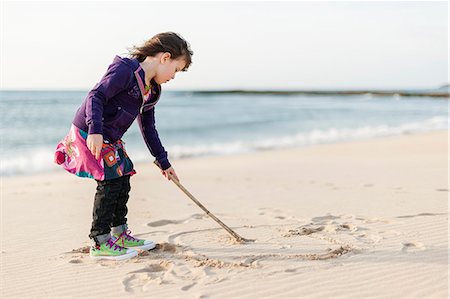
{"points": [[229, 230]]}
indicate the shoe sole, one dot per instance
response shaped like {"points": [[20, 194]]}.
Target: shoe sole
{"points": [[122, 257]]}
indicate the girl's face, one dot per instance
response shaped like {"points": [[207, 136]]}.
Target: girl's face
{"points": [[168, 68]]}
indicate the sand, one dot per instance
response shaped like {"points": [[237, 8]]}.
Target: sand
{"points": [[361, 219]]}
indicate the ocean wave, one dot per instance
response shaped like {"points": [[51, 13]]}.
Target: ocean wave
{"points": [[331, 135]]}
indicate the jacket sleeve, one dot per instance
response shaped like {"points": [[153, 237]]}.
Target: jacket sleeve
{"points": [[146, 122], [116, 79]]}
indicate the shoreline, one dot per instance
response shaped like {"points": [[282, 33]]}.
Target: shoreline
{"points": [[57, 169]]}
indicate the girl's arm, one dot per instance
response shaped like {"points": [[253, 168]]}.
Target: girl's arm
{"points": [[146, 122]]}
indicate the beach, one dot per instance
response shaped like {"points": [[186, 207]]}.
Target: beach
{"points": [[357, 219]]}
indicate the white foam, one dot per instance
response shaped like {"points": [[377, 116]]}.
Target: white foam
{"points": [[309, 138], [37, 160]]}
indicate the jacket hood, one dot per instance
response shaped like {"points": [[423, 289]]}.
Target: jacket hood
{"points": [[131, 62]]}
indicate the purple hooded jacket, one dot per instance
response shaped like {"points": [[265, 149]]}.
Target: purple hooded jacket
{"points": [[114, 103]]}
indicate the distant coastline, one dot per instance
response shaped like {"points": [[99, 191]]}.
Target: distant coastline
{"points": [[440, 92], [436, 94]]}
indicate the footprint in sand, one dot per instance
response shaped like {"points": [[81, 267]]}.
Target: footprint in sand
{"points": [[304, 231], [324, 219], [163, 248], [152, 268], [75, 261], [369, 238], [178, 265], [76, 256], [189, 276], [140, 280], [412, 247], [167, 222], [274, 213]]}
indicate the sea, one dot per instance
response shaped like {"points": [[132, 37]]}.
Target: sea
{"points": [[194, 124]]}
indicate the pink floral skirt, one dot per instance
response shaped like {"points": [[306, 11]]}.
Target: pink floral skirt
{"points": [[74, 156]]}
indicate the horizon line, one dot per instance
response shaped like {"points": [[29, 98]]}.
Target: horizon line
{"points": [[325, 89], [441, 92]]}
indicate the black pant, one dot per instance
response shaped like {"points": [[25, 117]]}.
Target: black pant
{"points": [[110, 206]]}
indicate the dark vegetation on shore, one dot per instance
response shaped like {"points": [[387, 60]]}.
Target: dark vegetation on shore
{"points": [[437, 94]]}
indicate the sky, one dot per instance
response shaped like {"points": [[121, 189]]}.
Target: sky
{"points": [[237, 45]]}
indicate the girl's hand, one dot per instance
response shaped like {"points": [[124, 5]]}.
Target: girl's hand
{"points": [[170, 170], [95, 143]]}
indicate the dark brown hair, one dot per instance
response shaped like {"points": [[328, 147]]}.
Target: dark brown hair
{"points": [[164, 42]]}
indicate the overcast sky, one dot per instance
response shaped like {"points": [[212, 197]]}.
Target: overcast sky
{"points": [[249, 45]]}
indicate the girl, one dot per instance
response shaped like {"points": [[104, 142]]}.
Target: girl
{"points": [[93, 147]]}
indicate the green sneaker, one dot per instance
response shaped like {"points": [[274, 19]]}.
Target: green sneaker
{"points": [[111, 251], [126, 240]]}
